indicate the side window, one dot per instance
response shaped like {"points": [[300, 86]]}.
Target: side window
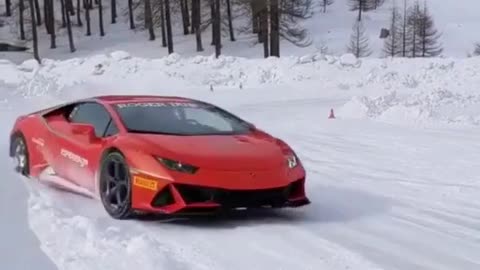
{"points": [[96, 115]]}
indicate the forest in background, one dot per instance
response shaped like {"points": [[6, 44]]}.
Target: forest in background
{"points": [[411, 33]]}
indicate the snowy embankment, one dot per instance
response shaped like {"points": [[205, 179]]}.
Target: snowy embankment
{"points": [[398, 90], [386, 194]]}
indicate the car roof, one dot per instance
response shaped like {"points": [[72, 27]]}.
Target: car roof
{"points": [[115, 99]]}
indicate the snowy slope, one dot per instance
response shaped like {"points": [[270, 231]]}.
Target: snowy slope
{"points": [[457, 22], [394, 179]]}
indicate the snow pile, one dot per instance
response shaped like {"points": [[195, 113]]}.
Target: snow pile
{"points": [[391, 90]]}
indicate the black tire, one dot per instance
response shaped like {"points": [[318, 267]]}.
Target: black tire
{"points": [[115, 186], [19, 152]]}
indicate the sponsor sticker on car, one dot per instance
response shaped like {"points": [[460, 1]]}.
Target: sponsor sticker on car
{"points": [[145, 183]]}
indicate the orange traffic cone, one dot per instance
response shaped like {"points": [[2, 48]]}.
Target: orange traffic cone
{"points": [[332, 114]]}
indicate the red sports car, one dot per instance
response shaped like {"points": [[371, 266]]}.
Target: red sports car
{"points": [[154, 154]]}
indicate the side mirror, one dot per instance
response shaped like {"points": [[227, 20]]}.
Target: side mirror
{"points": [[84, 129]]}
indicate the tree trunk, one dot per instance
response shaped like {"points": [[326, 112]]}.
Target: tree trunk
{"points": [[162, 23], [64, 18], [187, 11], [113, 10], [37, 12], [69, 28], [46, 15], [87, 16], [196, 6], [34, 31], [360, 9], [149, 19], [70, 9], [51, 23], [255, 16], [79, 14], [274, 29], [8, 8], [212, 19], [230, 20], [169, 27], [21, 9], [192, 25], [100, 18], [218, 29], [184, 17], [264, 29], [130, 14]]}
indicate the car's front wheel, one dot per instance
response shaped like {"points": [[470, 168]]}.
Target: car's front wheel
{"points": [[115, 186]]}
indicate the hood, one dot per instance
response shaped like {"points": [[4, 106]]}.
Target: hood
{"points": [[254, 151]]}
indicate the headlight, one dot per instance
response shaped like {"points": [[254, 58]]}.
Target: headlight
{"points": [[292, 161], [177, 166]]}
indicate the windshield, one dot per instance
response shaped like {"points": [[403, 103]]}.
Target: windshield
{"points": [[179, 118]]}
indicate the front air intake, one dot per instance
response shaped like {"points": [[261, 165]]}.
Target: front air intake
{"points": [[163, 198]]}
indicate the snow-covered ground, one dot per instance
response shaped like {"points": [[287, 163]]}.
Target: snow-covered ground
{"points": [[394, 180]]}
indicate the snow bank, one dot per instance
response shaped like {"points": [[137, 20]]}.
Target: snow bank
{"points": [[391, 90]]}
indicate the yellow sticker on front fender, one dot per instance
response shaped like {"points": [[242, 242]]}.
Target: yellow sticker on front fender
{"points": [[145, 183]]}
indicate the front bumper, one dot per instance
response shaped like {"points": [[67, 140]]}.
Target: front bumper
{"points": [[179, 198]]}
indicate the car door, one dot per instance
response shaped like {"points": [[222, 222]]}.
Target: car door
{"points": [[80, 156]]}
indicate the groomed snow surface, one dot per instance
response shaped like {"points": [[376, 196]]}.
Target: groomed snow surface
{"points": [[394, 179]]}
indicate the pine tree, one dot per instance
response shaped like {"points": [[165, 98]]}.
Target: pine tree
{"points": [[428, 35], [393, 44], [361, 6], [413, 19], [359, 41], [325, 3]]}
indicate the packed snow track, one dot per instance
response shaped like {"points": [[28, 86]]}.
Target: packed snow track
{"points": [[384, 196]]}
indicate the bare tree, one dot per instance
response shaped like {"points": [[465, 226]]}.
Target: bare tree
{"points": [[88, 4], [404, 29], [263, 17], [217, 28], [8, 8], [361, 6], [196, 23], [64, 14], [325, 4], [185, 16], [113, 10], [393, 43], [130, 14], [79, 14], [50, 22], [359, 41], [162, 23], [149, 19], [274, 28], [38, 13], [21, 9], [230, 20], [168, 20], [69, 28], [100, 18], [428, 35], [34, 31]]}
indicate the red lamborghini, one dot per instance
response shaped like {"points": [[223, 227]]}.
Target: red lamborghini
{"points": [[153, 154]]}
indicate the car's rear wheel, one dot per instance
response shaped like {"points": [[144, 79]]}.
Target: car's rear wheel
{"points": [[115, 186], [20, 154]]}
